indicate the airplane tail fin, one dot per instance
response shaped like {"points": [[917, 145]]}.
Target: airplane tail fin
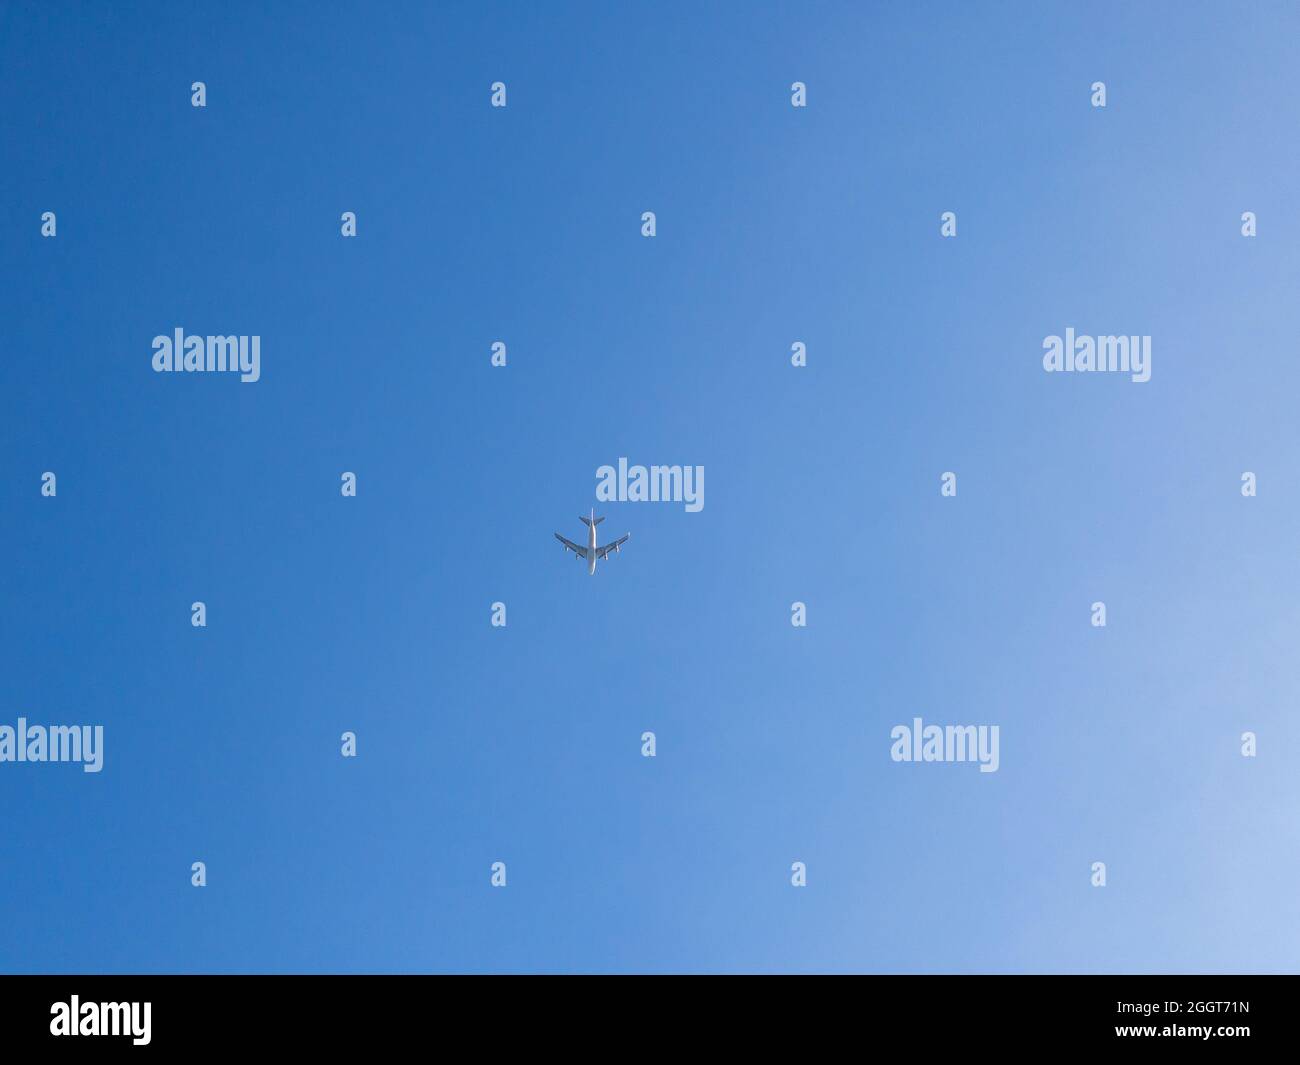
{"points": [[589, 523]]}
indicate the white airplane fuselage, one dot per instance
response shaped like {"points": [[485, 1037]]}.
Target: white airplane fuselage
{"points": [[593, 552]]}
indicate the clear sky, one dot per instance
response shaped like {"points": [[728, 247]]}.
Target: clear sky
{"points": [[775, 224]]}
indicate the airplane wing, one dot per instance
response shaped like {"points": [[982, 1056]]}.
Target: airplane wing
{"points": [[569, 545], [603, 552]]}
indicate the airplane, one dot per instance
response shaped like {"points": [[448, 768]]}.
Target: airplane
{"points": [[591, 552]]}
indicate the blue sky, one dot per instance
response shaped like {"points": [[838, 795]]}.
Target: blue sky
{"points": [[522, 744]]}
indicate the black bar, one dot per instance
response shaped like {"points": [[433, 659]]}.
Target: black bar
{"points": [[365, 1014]]}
